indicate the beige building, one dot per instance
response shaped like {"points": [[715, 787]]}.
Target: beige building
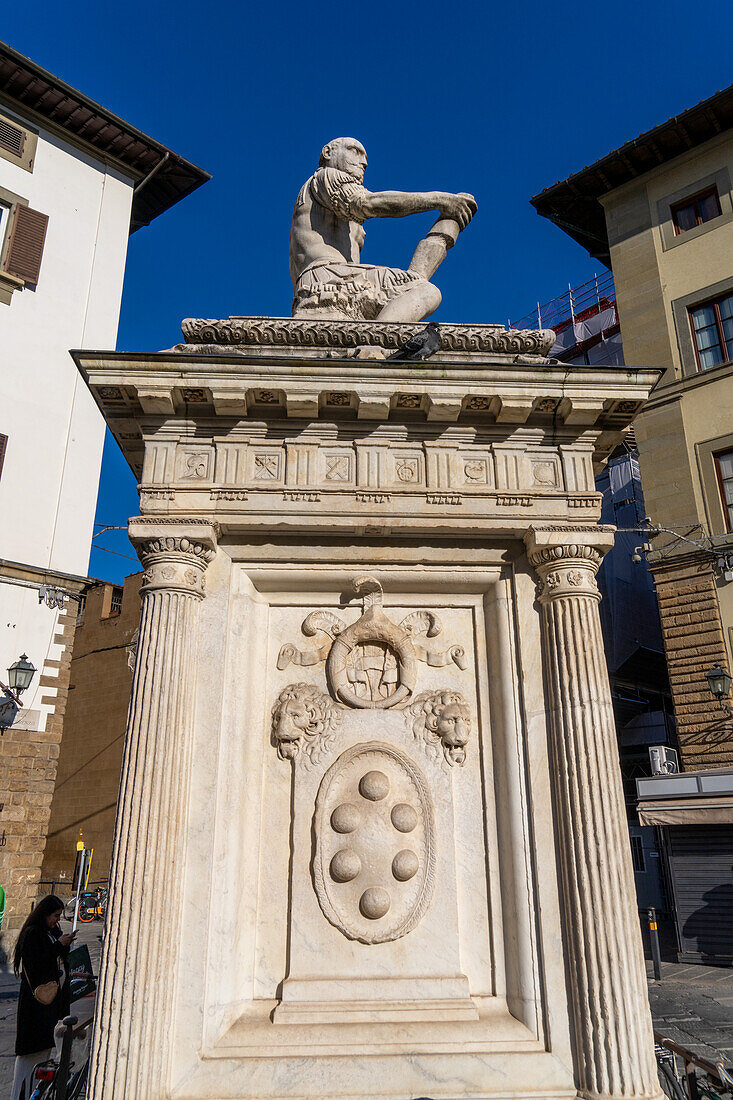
{"points": [[659, 212]]}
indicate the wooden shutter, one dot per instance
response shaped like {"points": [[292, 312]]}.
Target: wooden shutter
{"points": [[25, 247], [12, 138]]}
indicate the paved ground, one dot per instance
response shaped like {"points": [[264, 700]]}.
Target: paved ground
{"points": [[90, 935], [691, 1004]]}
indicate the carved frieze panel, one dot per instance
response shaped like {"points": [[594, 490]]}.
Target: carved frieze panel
{"points": [[337, 467], [266, 466], [474, 470], [406, 468], [194, 464], [374, 844], [545, 470]]}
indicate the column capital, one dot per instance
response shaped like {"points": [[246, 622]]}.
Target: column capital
{"points": [[174, 552], [567, 558]]}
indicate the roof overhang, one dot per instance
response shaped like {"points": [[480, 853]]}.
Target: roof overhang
{"points": [[574, 204], [162, 177]]}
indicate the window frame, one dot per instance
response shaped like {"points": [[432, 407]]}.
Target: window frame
{"points": [[714, 300], [720, 179], [694, 200], [726, 508]]}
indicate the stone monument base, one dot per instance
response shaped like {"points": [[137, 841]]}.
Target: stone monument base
{"points": [[371, 837]]}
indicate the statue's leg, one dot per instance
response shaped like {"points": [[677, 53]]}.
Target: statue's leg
{"points": [[418, 301], [431, 251]]}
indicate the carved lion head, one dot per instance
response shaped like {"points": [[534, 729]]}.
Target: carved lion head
{"points": [[301, 715], [443, 717]]}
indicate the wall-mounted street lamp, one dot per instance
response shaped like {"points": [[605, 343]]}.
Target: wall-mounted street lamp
{"points": [[719, 683], [20, 674]]}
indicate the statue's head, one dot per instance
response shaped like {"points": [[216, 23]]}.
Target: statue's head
{"points": [[347, 154]]}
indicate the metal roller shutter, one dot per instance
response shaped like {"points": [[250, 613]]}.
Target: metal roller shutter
{"points": [[701, 867]]}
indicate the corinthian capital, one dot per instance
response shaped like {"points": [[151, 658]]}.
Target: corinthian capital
{"points": [[174, 553], [567, 559]]}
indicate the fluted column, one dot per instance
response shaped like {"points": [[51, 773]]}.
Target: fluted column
{"points": [[610, 1017], [138, 973]]}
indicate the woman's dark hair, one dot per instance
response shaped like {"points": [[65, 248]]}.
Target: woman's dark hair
{"points": [[35, 919]]}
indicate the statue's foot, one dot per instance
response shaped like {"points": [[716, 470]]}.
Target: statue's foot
{"points": [[369, 351]]}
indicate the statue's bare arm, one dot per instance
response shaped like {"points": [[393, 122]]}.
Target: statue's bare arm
{"points": [[397, 204]]}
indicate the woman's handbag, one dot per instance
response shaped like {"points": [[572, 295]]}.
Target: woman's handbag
{"points": [[46, 993]]}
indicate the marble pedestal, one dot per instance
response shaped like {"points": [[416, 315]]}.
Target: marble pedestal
{"points": [[370, 840]]}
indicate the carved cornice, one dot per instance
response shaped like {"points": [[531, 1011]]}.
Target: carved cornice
{"points": [[285, 332]]}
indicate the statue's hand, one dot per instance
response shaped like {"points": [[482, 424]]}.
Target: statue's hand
{"points": [[462, 207]]}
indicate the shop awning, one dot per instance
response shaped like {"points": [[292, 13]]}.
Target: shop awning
{"points": [[687, 811]]}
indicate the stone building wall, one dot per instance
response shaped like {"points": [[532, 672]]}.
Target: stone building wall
{"points": [[693, 641], [28, 768], [87, 782]]}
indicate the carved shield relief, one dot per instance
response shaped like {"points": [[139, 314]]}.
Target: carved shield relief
{"points": [[374, 844]]}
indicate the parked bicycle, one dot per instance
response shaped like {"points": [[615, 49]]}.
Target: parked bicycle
{"points": [[92, 905], [62, 1079], [686, 1076]]}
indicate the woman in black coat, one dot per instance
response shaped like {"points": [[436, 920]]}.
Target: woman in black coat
{"points": [[40, 956]]}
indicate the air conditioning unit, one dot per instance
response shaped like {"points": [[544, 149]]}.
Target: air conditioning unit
{"points": [[664, 761]]}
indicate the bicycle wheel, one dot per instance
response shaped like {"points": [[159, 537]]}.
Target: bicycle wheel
{"points": [[77, 1083], [86, 915], [670, 1085]]}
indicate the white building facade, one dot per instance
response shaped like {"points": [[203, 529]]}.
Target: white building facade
{"points": [[74, 182]]}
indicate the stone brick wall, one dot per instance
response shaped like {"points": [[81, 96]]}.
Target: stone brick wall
{"points": [[28, 763], [88, 777], [693, 642]]}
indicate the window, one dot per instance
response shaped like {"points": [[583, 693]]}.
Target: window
{"points": [[712, 331], [17, 142], [637, 854], [724, 468], [3, 446], [699, 208], [111, 601], [25, 245]]}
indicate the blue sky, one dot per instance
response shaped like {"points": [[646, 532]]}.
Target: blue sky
{"points": [[497, 99]]}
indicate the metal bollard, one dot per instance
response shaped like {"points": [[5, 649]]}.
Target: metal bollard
{"points": [[654, 938]]}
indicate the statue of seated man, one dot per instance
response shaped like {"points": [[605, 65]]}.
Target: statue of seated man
{"points": [[326, 238]]}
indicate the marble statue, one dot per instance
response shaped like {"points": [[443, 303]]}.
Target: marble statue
{"points": [[327, 235]]}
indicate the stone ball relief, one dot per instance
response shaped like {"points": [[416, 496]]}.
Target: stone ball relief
{"points": [[374, 844]]}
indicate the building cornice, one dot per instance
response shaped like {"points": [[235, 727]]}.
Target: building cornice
{"points": [[31, 90]]}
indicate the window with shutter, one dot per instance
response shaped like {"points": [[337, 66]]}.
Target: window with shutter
{"points": [[25, 247], [18, 142], [12, 138]]}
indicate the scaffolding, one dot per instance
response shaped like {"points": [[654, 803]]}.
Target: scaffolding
{"points": [[582, 317]]}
